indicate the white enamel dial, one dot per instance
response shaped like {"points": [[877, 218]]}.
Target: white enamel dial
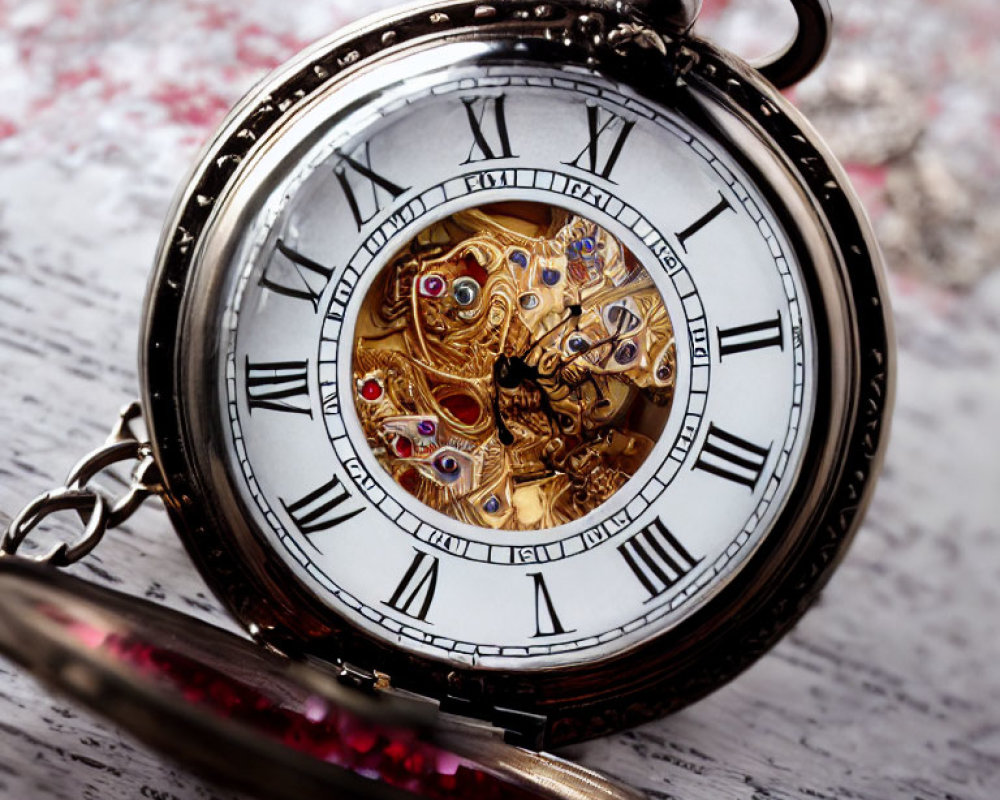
{"points": [[720, 461]]}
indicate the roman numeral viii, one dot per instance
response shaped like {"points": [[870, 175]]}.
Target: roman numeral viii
{"points": [[415, 592], [758, 336], [278, 386], [363, 187], [606, 129], [732, 458], [496, 146], [292, 274], [657, 559], [321, 510]]}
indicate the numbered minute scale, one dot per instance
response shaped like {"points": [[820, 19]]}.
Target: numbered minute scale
{"points": [[528, 360]]}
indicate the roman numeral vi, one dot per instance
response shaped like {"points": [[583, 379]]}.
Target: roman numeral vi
{"points": [[546, 620]]}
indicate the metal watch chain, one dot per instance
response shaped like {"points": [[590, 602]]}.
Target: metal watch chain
{"points": [[98, 510]]}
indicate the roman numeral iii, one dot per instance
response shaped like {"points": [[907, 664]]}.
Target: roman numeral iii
{"points": [[732, 458], [608, 134], [415, 592], [483, 114], [320, 510], [657, 559], [278, 386], [363, 187], [757, 336]]}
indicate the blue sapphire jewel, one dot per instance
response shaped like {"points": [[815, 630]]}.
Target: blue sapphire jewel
{"points": [[491, 506], [550, 277], [520, 258]]}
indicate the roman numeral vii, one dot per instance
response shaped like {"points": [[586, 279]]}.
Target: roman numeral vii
{"points": [[321, 510]]}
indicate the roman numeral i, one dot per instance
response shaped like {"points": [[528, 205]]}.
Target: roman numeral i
{"points": [[657, 559]]}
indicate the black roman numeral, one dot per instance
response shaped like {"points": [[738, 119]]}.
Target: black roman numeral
{"points": [[758, 336], [732, 458], [320, 510], [701, 223], [415, 592], [364, 208], [294, 275], [278, 386], [603, 125], [482, 148], [546, 620], [657, 559]]}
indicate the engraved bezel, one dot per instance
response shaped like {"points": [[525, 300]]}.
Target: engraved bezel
{"points": [[843, 275]]}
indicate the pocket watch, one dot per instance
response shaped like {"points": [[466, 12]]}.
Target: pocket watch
{"points": [[526, 361]]}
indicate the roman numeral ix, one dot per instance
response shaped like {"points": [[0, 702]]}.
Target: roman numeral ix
{"points": [[732, 458], [604, 126], [294, 275], [657, 559], [320, 510], [278, 386], [758, 336], [372, 186], [477, 112], [415, 592], [546, 620]]}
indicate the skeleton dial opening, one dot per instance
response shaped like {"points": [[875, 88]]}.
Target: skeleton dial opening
{"points": [[518, 368]]}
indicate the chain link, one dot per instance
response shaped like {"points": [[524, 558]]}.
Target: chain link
{"points": [[98, 511]]}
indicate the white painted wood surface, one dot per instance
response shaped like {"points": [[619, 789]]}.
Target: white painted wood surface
{"points": [[890, 688]]}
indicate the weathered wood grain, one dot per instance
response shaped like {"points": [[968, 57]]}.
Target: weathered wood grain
{"points": [[890, 688]]}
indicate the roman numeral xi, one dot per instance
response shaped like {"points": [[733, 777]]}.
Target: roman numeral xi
{"points": [[492, 144], [608, 134]]}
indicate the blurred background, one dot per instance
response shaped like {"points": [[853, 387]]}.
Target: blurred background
{"points": [[890, 688]]}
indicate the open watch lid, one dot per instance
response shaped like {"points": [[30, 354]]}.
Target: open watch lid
{"points": [[257, 722]]}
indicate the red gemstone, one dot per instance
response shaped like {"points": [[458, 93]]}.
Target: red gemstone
{"points": [[371, 390], [463, 407], [403, 447]]}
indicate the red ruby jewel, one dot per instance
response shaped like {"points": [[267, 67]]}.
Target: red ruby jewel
{"points": [[371, 390], [403, 447]]}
